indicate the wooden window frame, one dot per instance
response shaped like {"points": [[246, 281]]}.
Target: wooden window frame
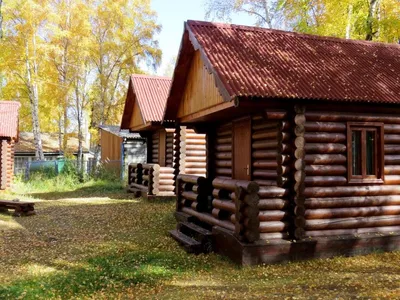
{"points": [[378, 178]]}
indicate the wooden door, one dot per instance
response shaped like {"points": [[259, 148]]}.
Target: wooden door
{"points": [[242, 149]]}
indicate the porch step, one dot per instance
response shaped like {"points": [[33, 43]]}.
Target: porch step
{"points": [[190, 245]]}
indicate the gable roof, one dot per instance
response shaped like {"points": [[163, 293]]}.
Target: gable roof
{"points": [[151, 94], [116, 130], [9, 119], [257, 62], [26, 144]]}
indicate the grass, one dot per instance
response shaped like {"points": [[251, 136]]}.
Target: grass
{"points": [[92, 241]]}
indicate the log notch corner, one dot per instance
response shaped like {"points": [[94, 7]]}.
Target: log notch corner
{"points": [[299, 175]]}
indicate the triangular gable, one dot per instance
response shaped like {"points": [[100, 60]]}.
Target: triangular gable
{"points": [[200, 90]]}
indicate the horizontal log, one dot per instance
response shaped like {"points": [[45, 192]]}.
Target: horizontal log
{"points": [[262, 125], [166, 188], [392, 139], [272, 215], [325, 159], [195, 147], [272, 192], [166, 170], [326, 148], [265, 134], [392, 179], [264, 154], [223, 155], [227, 205], [274, 235], [195, 159], [223, 171], [348, 191], [391, 149], [223, 163], [200, 141], [192, 179], [349, 223], [265, 164], [230, 184], [201, 165], [338, 232], [325, 127], [325, 180], [224, 140], [265, 183], [196, 171], [169, 182], [273, 226], [195, 153], [223, 148], [191, 196], [225, 132], [391, 128], [329, 213], [138, 187], [324, 137], [207, 218], [352, 201], [272, 204], [154, 167], [392, 170], [264, 144], [315, 170], [275, 115], [354, 117], [220, 214], [266, 174], [392, 160]]}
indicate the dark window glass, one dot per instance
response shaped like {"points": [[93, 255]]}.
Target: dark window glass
{"points": [[356, 152], [370, 153]]}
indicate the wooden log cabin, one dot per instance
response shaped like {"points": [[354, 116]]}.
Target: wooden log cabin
{"points": [[166, 155], [303, 143], [8, 136]]}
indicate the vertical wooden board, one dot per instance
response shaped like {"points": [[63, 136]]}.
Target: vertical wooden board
{"points": [[162, 148], [242, 149]]}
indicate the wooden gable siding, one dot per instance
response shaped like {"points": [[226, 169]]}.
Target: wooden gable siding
{"points": [[200, 90], [136, 119], [110, 147]]}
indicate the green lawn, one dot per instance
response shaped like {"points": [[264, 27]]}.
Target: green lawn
{"points": [[94, 241]]}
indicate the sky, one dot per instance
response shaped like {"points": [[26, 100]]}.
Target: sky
{"points": [[171, 15]]}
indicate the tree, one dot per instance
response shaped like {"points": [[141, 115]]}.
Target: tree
{"points": [[1, 20], [24, 46], [265, 12], [117, 51]]}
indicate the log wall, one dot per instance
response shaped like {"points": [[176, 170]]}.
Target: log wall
{"points": [[155, 144], [223, 151], [192, 157], [6, 163], [332, 206]]}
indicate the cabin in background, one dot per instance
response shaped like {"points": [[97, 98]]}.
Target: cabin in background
{"points": [[166, 155], [8, 136], [303, 143], [119, 148]]}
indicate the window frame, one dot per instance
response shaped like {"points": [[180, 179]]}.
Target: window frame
{"points": [[379, 163]]}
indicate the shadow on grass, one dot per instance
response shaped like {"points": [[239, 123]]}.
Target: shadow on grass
{"points": [[111, 272], [113, 192]]}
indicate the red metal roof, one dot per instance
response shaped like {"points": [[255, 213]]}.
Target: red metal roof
{"points": [[151, 93], [9, 119], [259, 62]]}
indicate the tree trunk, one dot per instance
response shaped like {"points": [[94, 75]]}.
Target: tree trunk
{"points": [[349, 18], [370, 19], [34, 100], [1, 20]]}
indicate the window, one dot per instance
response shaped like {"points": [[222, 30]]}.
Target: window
{"points": [[365, 154]]}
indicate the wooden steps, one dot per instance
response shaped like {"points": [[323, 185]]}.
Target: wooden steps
{"points": [[194, 238]]}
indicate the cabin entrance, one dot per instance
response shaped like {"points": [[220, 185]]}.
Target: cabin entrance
{"points": [[242, 149]]}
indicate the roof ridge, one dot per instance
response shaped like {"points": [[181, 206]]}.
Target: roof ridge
{"points": [[151, 77], [293, 33]]}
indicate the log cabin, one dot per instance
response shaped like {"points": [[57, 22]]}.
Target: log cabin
{"points": [[166, 155], [8, 136], [303, 143]]}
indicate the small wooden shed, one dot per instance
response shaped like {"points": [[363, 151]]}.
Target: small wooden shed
{"points": [[119, 148], [166, 155], [303, 143], [8, 136]]}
